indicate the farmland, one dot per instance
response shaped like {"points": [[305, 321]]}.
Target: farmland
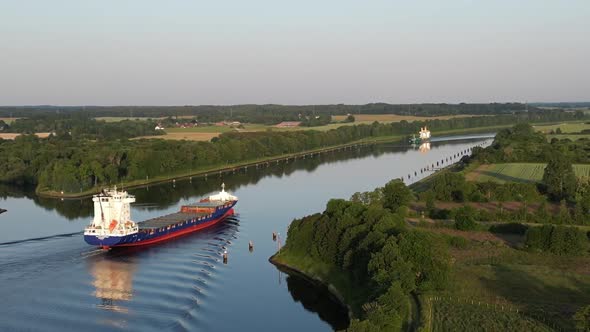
{"points": [[14, 135], [364, 118], [8, 120], [205, 133], [516, 172]]}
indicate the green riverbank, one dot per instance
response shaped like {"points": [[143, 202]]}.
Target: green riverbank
{"points": [[218, 170], [317, 274]]}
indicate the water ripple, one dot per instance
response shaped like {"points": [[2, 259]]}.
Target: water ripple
{"points": [[153, 288]]}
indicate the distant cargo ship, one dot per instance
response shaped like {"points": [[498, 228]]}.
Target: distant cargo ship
{"points": [[112, 225], [424, 136]]}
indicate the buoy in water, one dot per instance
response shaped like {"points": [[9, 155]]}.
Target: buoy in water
{"points": [[225, 257], [250, 246], [274, 236]]}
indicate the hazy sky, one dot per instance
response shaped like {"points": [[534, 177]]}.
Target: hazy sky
{"points": [[177, 52]]}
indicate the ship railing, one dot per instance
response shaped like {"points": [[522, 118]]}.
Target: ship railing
{"points": [[97, 230]]}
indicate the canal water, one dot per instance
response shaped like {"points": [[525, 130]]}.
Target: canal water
{"points": [[50, 280]]}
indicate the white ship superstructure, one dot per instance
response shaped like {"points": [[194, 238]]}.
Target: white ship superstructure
{"points": [[112, 214], [223, 196], [424, 134]]}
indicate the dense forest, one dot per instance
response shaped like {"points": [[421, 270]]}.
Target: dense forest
{"points": [[583, 104], [372, 245], [266, 114], [80, 126], [60, 163]]}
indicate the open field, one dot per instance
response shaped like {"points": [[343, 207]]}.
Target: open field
{"points": [[492, 207], [14, 135], [204, 133], [501, 288], [189, 136], [201, 129], [516, 172], [566, 127], [8, 120]]}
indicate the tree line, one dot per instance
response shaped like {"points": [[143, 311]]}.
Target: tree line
{"points": [[266, 114], [61, 163], [80, 126]]}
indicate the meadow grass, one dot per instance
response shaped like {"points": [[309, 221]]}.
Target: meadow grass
{"points": [[566, 127], [448, 315], [498, 288], [517, 172]]}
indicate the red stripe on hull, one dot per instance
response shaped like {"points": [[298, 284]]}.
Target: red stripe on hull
{"points": [[179, 233]]}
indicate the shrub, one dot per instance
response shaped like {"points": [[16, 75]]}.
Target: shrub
{"points": [[458, 242], [582, 319], [465, 218], [509, 228], [560, 240], [440, 214]]}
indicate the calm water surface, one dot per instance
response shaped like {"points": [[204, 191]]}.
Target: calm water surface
{"points": [[50, 280]]}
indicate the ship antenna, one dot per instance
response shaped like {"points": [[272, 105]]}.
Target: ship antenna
{"points": [[100, 204]]}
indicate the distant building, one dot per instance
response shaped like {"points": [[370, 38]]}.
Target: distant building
{"points": [[288, 124], [185, 124]]}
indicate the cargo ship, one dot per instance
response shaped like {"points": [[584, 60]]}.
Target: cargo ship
{"points": [[424, 136], [112, 225]]}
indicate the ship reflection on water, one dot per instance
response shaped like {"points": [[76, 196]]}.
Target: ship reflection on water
{"points": [[424, 147], [113, 282]]}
